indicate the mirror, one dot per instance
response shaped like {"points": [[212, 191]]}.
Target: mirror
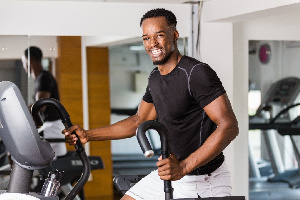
{"points": [[11, 66], [274, 86]]}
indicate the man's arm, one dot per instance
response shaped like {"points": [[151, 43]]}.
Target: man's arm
{"points": [[40, 95], [122, 129], [221, 113]]}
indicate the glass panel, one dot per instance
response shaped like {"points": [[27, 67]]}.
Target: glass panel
{"points": [[12, 49], [48, 47], [11, 68]]}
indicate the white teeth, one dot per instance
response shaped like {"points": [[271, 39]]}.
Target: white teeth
{"points": [[155, 52]]}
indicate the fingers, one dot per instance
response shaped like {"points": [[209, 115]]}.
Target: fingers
{"points": [[71, 138], [166, 177], [165, 161], [169, 168], [165, 172], [160, 157], [164, 166], [74, 129]]}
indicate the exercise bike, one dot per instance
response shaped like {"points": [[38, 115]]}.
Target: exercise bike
{"points": [[123, 183], [70, 164], [28, 151]]}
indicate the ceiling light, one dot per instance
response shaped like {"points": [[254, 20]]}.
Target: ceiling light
{"points": [[137, 48]]}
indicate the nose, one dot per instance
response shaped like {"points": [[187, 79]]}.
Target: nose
{"points": [[153, 42]]}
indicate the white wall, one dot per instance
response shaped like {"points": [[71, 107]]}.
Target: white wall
{"points": [[83, 18], [217, 46], [240, 10]]}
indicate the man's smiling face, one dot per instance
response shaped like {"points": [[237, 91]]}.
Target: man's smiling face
{"points": [[158, 39]]}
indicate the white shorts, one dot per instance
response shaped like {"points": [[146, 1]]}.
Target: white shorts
{"points": [[217, 184], [53, 130]]}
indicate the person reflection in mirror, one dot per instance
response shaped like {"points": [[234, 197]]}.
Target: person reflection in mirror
{"points": [[188, 98], [45, 86]]}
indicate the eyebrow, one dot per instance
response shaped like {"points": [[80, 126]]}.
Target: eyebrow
{"points": [[156, 33]]}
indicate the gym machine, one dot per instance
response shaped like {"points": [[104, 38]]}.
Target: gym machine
{"points": [[124, 181], [28, 151], [278, 114], [71, 164]]}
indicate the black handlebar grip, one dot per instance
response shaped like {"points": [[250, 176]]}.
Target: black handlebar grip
{"points": [[148, 152], [65, 118]]}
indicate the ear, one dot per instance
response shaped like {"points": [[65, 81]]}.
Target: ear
{"points": [[175, 36]]}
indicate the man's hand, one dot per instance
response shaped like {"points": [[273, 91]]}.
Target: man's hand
{"points": [[71, 138], [170, 168]]}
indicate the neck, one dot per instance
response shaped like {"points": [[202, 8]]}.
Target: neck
{"points": [[170, 64], [36, 71]]}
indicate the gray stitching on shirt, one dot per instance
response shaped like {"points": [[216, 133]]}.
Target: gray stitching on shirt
{"points": [[191, 74], [189, 77], [201, 127]]}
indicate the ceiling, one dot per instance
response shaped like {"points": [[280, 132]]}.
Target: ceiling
{"points": [[142, 1], [152, 1]]}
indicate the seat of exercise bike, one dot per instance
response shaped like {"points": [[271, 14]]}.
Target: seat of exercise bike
{"points": [[72, 166]]}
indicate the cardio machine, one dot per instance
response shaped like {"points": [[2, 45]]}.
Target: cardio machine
{"points": [[123, 183], [28, 151], [278, 114], [70, 164]]}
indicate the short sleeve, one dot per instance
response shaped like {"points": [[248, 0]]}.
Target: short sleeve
{"points": [[147, 96], [205, 85]]}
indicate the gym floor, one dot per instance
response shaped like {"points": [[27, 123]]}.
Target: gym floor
{"points": [[261, 189]]}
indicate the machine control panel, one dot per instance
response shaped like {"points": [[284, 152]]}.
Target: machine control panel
{"points": [[284, 91]]}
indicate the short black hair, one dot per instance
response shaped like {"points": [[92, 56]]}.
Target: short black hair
{"points": [[35, 53], [160, 12]]}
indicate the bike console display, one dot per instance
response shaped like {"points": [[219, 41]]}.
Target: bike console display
{"points": [[18, 131]]}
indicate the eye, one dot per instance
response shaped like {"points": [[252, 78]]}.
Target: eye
{"points": [[145, 38]]}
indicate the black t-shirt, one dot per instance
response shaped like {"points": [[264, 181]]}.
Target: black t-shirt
{"points": [[179, 98], [46, 82]]}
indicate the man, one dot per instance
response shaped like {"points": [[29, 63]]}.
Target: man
{"points": [[45, 86], [187, 97]]}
